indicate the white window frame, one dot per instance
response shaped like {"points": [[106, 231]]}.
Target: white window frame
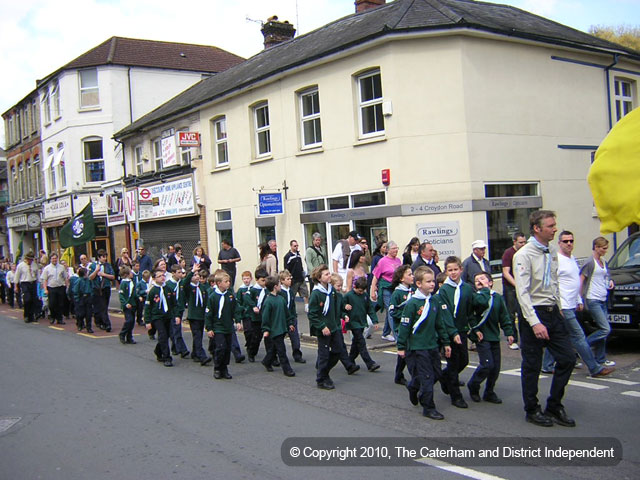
{"points": [[51, 170], [221, 147], [623, 103], [59, 164], [264, 130], [313, 117], [86, 161], [88, 90], [30, 179], [138, 158], [46, 107], [374, 103], [34, 116], [39, 187], [26, 128], [55, 99], [156, 145]]}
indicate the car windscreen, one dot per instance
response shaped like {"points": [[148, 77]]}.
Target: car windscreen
{"points": [[627, 256]]}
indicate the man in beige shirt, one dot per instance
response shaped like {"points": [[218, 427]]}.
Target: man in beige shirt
{"points": [[55, 280], [536, 276]]}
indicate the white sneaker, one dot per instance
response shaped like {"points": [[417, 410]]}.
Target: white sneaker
{"points": [[578, 365], [388, 338], [514, 346], [609, 363]]}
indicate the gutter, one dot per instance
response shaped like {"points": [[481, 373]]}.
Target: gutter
{"points": [[608, 85]]}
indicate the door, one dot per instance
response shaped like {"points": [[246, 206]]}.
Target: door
{"points": [[337, 232]]}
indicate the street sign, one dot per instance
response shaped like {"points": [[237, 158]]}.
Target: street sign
{"points": [[270, 204]]}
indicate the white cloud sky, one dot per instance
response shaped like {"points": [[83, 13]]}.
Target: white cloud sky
{"points": [[39, 36]]}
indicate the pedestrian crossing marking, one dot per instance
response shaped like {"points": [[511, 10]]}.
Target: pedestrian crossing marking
{"points": [[56, 328], [618, 381], [631, 393], [466, 472], [592, 386]]}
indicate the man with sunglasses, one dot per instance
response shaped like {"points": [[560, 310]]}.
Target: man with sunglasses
{"points": [[569, 282]]}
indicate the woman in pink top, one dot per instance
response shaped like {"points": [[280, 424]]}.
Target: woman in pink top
{"points": [[381, 286]]}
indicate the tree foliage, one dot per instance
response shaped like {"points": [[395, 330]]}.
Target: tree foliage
{"points": [[625, 35]]}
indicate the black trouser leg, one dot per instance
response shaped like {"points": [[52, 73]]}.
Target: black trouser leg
{"points": [[223, 351], [56, 303], [197, 329], [162, 326], [129, 322], [281, 350], [361, 347], [458, 360]]}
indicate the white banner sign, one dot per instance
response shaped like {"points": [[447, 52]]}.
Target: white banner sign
{"points": [[169, 199], [130, 204], [60, 208], [169, 156], [444, 236]]}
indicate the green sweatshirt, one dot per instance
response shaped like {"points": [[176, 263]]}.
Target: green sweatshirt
{"points": [[463, 316], [317, 319], [128, 294], [396, 305], [436, 326], [498, 317], [361, 306], [223, 322], [276, 317], [153, 309]]}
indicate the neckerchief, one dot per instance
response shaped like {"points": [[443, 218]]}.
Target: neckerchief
{"points": [[261, 296], [485, 314], [327, 292], [285, 289], [130, 286], [425, 309], [221, 303], [404, 288], [199, 301], [177, 289], [163, 299], [546, 278], [456, 295]]}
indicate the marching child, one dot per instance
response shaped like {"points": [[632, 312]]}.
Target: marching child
{"points": [[285, 284], [324, 320], [137, 278], [276, 321], [82, 298], [195, 294], [245, 314], [425, 321], [128, 304], [493, 316], [142, 288], [158, 314], [458, 297], [253, 302], [337, 282], [361, 308], [402, 291], [174, 289], [221, 318]]}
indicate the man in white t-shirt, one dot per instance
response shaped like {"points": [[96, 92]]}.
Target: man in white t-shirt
{"points": [[342, 253], [570, 300]]}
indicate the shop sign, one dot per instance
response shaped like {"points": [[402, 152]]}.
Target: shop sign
{"points": [[98, 203], [169, 199], [130, 204], [188, 139], [17, 221], [270, 204], [59, 208], [429, 208], [169, 155], [115, 209], [444, 236]]}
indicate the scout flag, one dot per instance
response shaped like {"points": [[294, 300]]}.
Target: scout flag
{"points": [[614, 177], [20, 247], [68, 256], [79, 230]]}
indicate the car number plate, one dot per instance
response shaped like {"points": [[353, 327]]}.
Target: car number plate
{"points": [[619, 318]]}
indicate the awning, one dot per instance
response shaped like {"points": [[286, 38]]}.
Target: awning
{"points": [[58, 158], [55, 223], [48, 162]]}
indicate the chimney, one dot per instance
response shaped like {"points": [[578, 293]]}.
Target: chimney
{"points": [[362, 5], [276, 32]]}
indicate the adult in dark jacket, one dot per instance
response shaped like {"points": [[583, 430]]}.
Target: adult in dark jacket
{"points": [[476, 263], [425, 259], [145, 260]]}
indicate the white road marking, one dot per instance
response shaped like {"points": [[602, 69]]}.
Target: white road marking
{"points": [[631, 393], [465, 472], [592, 386], [618, 381]]}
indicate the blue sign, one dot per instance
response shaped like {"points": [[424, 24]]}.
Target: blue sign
{"points": [[270, 204]]}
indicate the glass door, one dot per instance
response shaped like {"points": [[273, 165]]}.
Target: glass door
{"points": [[337, 232]]}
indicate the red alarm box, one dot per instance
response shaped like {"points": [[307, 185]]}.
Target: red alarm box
{"points": [[386, 177]]}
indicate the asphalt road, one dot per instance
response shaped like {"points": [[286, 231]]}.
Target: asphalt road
{"points": [[88, 407]]}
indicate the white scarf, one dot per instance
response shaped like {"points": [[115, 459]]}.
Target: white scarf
{"points": [[285, 289], [221, 304], [199, 301], [485, 314], [130, 286], [425, 309], [163, 300], [327, 292], [261, 296], [456, 295]]}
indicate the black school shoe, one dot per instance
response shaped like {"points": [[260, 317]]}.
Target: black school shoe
{"points": [[433, 414], [131, 341], [492, 398], [474, 394], [539, 418], [185, 354], [217, 374], [400, 381], [168, 363], [205, 361], [560, 417], [373, 367], [459, 403], [123, 340], [240, 359], [353, 369], [299, 360], [289, 373], [326, 385], [413, 396], [226, 375], [269, 368]]}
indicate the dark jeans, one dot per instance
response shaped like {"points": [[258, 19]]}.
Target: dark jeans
{"points": [[488, 367], [222, 353], [275, 346], [83, 311], [177, 341], [163, 328], [531, 349], [29, 300], [359, 347], [401, 363], [235, 346], [10, 294], [100, 306], [140, 312], [456, 363], [197, 329], [424, 367], [254, 338], [129, 323], [513, 306], [331, 349], [56, 302], [294, 336]]}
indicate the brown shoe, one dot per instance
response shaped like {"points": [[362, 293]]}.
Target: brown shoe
{"points": [[603, 372]]}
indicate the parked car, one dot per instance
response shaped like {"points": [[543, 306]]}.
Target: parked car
{"points": [[624, 300]]}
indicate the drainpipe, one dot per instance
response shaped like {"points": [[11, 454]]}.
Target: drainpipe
{"points": [[608, 82]]}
